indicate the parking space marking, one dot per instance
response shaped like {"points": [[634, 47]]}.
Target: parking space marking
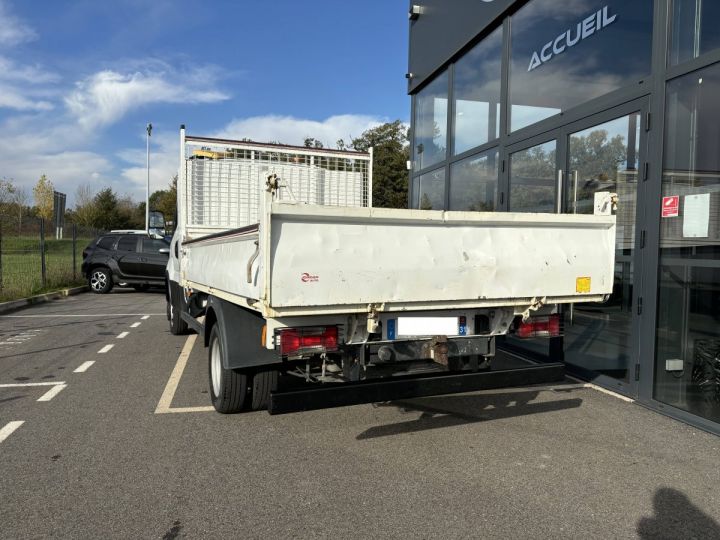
{"points": [[144, 317], [47, 396], [84, 366], [9, 428], [164, 405], [85, 315], [17, 385], [105, 349], [135, 325], [122, 335]]}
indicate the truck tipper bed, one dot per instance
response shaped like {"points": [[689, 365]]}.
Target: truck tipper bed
{"points": [[309, 297]]}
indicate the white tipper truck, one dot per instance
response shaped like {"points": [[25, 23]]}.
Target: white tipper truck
{"points": [[308, 297]]}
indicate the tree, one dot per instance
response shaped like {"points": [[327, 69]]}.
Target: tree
{"points": [[311, 142], [130, 214], [7, 190], [390, 155], [43, 193], [20, 200], [86, 211], [107, 209], [165, 200]]}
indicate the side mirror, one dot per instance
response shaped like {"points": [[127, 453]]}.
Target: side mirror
{"points": [[165, 251]]}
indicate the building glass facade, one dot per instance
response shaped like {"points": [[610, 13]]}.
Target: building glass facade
{"points": [[553, 101]]}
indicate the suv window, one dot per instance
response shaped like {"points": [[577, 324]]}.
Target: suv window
{"points": [[106, 242], [127, 243], [153, 245]]}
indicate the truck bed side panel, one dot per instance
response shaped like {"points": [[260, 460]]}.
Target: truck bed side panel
{"points": [[377, 256]]}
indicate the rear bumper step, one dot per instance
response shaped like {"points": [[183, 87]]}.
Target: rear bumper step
{"points": [[339, 395]]}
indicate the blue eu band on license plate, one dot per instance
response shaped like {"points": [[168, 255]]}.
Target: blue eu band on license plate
{"points": [[391, 329]]}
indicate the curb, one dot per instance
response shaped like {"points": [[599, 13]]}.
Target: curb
{"points": [[41, 298]]}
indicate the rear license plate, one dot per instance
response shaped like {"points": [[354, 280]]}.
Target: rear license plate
{"points": [[428, 326]]}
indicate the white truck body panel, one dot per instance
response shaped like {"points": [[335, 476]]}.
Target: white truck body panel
{"points": [[340, 260]]}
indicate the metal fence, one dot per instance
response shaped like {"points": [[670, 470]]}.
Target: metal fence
{"points": [[33, 260]]}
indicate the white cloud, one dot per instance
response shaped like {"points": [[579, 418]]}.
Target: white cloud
{"points": [[66, 170], [292, 130], [164, 152], [22, 87], [35, 75], [12, 30], [106, 96], [13, 98]]}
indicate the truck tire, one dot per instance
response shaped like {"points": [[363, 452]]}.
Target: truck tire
{"points": [[175, 302], [263, 383], [100, 280], [228, 387]]}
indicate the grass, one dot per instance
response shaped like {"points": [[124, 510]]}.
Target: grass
{"points": [[22, 266]]}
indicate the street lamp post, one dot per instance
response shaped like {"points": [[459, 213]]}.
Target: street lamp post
{"points": [[147, 193]]}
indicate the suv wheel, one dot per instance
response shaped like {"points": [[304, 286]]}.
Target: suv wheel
{"points": [[100, 280]]}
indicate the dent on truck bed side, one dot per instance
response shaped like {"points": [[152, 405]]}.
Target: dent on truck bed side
{"points": [[241, 334]]}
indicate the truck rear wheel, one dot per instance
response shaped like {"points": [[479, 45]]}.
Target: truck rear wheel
{"points": [[175, 303], [228, 387], [263, 383]]}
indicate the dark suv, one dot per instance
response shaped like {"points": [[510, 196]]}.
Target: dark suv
{"points": [[125, 259]]}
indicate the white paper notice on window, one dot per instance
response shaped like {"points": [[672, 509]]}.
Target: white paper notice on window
{"points": [[696, 216]]}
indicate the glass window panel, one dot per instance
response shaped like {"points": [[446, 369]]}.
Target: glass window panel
{"points": [[687, 368], [127, 243], [566, 53], [532, 179], [107, 242], [694, 29], [152, 245], [431, 190], [473, 183], [430, 129], [477, 94]]}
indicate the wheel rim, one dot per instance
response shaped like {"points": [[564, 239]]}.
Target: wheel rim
{"points": [[98, 281], [215, 365]]}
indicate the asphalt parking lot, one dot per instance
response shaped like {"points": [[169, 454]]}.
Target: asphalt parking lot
{"points": [[103, 435]]}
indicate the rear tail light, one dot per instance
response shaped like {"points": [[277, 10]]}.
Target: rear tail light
{"points": [[310, 340], [539, 327]]}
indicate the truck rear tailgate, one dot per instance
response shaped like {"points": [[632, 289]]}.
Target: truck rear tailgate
{"points": [[409, 259]]}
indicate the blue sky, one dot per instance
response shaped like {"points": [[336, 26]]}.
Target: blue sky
{"points": [[80, 79]]}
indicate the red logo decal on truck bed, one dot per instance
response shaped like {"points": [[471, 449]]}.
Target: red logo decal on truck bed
{"points": [[305, 277]]}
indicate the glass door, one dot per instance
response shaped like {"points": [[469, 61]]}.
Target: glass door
{"points": [[605, 154], [561, 172]]}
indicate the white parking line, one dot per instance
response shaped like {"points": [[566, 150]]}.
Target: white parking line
{"points": [[84, 366], [64, 315], [163, 406], [47, 396], [105, 349], [9, 428], [122, 335], [135, 325], [14, 385], [144, 317]]}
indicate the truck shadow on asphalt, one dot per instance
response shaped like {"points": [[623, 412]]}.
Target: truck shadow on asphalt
{"points": [[676, 517], [451, 411]]}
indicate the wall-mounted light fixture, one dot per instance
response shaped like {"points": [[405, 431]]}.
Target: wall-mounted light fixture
{"points": [[415, 12]]}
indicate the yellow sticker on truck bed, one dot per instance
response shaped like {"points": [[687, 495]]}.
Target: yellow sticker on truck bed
{"points": [[582, 285]]}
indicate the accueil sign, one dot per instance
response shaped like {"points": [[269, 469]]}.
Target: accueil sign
{"points": [[584, 29]]}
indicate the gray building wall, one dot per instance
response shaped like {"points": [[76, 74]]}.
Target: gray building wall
{"points": [[443, 28]]}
